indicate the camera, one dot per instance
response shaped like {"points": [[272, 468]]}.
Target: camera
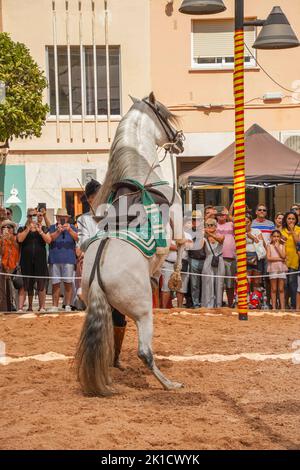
{"points": [[62, 221]]}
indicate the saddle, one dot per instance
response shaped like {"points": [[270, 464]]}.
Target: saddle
{"points": [[126, 194]]}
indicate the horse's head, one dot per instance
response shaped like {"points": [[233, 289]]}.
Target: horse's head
{"points": [[167, 135]]}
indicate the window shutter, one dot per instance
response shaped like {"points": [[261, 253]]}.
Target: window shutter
{"points": [[216, 38]]}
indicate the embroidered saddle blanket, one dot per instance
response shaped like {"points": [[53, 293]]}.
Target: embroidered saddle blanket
{"points": [[134, 216]]}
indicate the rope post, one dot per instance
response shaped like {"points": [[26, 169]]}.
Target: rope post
{"points": [[239, 162]]}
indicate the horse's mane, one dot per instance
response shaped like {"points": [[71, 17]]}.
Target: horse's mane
{"points": [[123, 157]]}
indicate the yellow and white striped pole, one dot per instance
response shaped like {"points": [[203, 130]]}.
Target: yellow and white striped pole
{"points": [[239, 162]]}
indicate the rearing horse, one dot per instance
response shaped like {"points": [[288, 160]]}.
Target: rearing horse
{"points": [[125, 273]]}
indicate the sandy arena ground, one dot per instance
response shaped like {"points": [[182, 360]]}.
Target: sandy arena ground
{"points": [[235, 403]]}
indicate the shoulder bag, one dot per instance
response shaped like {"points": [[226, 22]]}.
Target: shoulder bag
{"points": [[215, 259]]}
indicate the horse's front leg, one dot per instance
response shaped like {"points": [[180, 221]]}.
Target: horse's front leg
{"points": [[175, 282], [145, 332], [155, 269], [176, 218]]}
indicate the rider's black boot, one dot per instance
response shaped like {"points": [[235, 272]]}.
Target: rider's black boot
{"points": [[119, 332]]}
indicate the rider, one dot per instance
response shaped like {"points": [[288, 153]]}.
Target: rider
{"points": [[87, 228]]}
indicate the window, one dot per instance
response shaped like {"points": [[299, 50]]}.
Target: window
{"points": [[89, 88], [213, 44]]}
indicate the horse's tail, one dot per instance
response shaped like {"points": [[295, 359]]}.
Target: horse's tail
{"points": [[94, 354]]}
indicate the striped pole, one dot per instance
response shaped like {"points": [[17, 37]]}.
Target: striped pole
{"points": [[239, 164]]}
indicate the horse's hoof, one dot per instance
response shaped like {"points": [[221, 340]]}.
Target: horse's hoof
{"points": [[181, 241], [175, 386], [118, 365]]}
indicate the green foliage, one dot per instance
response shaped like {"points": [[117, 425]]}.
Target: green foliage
{"points": [[23, 113]]}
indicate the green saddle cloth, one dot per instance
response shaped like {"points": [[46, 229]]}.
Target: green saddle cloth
{"points": [[145, 237]]}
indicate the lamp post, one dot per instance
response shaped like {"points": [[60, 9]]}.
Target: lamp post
{"points": [[275, 34]]}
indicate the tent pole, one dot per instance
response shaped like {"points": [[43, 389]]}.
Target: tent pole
{"points": [[190, 197]]}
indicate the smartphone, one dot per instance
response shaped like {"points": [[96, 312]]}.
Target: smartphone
{"points": [[34, 219], [62, 221], [219, 209], [41, 205]]}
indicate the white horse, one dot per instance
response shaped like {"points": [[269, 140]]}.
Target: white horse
{"points": [[125, 272]]}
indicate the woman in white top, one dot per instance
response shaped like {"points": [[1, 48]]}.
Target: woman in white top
{"points": [[213, 282]]}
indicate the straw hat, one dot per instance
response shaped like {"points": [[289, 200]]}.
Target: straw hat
{"points": [[62, 212], [8, 222]]}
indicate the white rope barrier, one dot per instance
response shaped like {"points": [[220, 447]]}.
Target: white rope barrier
{"points": [[39, 277], [163, 269], [232, 277]]}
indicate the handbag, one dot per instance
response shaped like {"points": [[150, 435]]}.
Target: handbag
{"points": [[215, 259], [251, 259], [260, 250], [16, 280], [184, 265]]}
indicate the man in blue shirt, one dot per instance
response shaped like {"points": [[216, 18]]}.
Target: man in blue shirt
{"points": [[266, 227], [62, 257]]}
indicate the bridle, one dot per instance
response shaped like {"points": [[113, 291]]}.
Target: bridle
{"points": [[176, 138], [175, 144]]}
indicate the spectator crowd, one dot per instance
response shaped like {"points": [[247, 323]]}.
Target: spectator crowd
{"points": [[32, 253], [41, 250], [210, 268]]}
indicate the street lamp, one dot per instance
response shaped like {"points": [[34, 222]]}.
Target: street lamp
{"points": [[276, 33], [202, 7]]}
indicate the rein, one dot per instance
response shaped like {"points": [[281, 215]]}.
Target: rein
{"points": [[164, 123], [176, 139]]}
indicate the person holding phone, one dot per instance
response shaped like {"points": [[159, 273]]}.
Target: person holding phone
{"points": [[42, 214], [62, 258], [33, 238], [213, 268]]}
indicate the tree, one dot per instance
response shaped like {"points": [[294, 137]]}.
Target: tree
{"points": [[22, 114]]}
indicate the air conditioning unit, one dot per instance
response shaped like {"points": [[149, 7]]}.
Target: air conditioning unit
{"points": [[292, 141], [273, 96]]}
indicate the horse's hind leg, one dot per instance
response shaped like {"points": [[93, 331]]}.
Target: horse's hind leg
{"points": [[145, 330]]}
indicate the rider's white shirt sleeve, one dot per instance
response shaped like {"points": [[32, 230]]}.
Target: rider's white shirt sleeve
{"points": [[87, 228]]}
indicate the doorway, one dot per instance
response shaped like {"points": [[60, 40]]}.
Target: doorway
{"points": [[71, 200]]}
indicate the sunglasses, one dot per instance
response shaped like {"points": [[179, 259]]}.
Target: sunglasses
{"points": [[261, 210]]}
